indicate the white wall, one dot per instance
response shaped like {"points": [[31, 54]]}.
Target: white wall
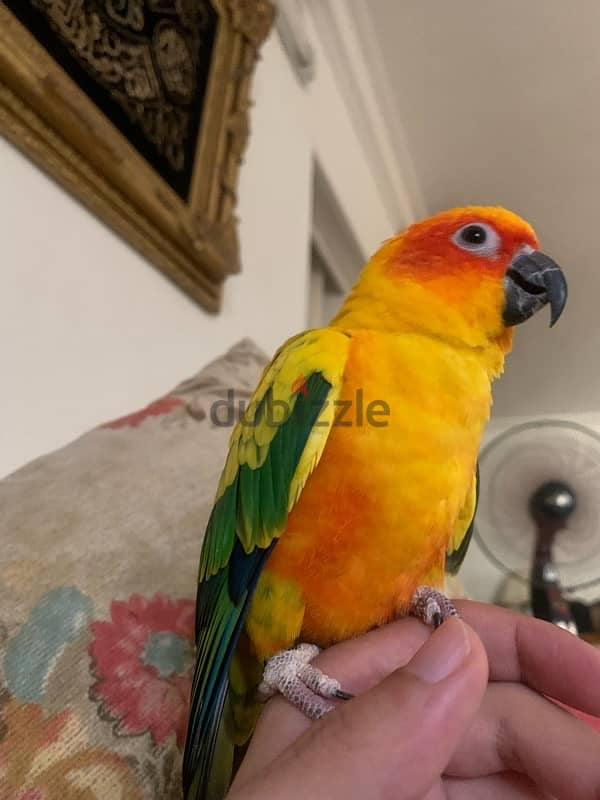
{"points": [[89, 330]]}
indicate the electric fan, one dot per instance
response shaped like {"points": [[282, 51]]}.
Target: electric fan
{"points": [[538, 517]]}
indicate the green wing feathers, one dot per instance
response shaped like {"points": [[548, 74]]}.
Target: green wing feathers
{"points": [[272, 451]]}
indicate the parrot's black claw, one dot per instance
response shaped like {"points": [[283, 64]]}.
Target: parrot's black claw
{"points": [[291, 673], [431, 606]]}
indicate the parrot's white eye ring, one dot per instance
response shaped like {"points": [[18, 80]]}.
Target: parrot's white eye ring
{"points": [[478, 238]]}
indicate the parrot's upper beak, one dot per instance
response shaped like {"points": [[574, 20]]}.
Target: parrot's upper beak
{"points": [[532, 280]]}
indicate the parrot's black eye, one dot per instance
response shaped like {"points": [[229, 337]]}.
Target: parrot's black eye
{"points": [[473, 234], [477, 237]]}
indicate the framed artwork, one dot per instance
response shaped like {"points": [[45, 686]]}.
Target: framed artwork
{"points": [[140, 109]]}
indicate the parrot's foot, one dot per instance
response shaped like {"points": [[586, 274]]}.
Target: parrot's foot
{"points": [[431, 607], [291, 674]]}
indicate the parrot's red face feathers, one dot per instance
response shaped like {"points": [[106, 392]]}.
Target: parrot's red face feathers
{"points": [[462, 240], [469, 274]]}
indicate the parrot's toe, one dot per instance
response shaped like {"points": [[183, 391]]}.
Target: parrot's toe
{"points": [[291, 674], [431, 606]]}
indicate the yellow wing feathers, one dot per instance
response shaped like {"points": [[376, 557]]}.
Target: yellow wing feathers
{"points": [[323, 351]]}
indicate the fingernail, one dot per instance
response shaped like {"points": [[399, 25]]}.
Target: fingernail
{"points": [[443, 653]]}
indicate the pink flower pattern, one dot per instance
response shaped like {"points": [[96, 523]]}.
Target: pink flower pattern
{"points": [[142, 661], [156, 409]]}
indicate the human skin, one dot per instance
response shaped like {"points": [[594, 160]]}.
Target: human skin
{"points": [[461, 713]]}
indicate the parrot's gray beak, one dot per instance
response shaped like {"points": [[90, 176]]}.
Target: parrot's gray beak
{"points": [[532, 281]]}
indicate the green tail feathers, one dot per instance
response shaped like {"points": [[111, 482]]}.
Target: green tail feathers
{"points": [[209, 748]]}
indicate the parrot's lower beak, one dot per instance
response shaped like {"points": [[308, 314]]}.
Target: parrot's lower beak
{"points": [[532, 281]]}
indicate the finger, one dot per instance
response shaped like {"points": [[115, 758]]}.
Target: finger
{"points": [[516, 729], [393, 741], [359, 664], [541, 655], [504, 786]]}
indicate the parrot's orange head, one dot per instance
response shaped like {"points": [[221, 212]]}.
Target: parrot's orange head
{"points": [[468, 274]]}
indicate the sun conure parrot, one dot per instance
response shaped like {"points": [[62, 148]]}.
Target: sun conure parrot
{"points": [[327, 524]]}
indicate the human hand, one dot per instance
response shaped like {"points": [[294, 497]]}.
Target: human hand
{"points": [[413, 732]]}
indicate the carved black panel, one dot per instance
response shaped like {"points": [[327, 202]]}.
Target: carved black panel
{"points": [[144, 63]]}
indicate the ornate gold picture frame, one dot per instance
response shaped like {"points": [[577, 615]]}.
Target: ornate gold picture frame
{"points": [[140, 109]]}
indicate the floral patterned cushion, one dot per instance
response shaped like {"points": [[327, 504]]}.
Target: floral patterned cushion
{"points": [[100, 544]]}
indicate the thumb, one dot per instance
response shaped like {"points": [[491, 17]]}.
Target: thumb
{"points": [[395, 740], [405, 730]]}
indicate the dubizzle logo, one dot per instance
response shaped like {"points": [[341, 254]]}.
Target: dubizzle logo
{"points": [[337, 412]]}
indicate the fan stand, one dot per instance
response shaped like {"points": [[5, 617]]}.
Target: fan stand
{"points": [[550, 506]]}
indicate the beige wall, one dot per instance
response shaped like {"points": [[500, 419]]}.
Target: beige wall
{"points": [[88, 330]]}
